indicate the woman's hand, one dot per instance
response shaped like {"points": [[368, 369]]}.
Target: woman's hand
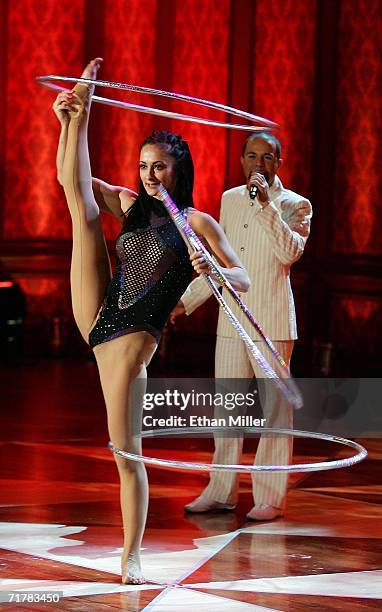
{"points": [[68, 105], [62, 105], [200, 263], [176, 312]]}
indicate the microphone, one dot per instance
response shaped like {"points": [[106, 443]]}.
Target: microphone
{"points": [[253, 192]]}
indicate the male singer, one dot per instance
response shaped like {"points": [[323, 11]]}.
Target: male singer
{"points": [[268, 226]]}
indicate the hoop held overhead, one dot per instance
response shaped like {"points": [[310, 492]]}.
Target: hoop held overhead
{"points": [[262, 123], [241, 468]]}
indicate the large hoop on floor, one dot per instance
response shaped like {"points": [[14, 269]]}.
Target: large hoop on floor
{"points": [[261, 122], [361, 452]]}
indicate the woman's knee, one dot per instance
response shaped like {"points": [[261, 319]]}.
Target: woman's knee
{"points": [[128, 466]]}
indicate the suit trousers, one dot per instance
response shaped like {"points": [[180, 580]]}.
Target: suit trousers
{"points": [[233, 360]]}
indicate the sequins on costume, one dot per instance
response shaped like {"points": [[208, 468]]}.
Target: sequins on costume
{"points": [[153, 270]]}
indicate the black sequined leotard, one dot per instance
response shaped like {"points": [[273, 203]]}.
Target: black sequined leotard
{"points": [[153, 270]]}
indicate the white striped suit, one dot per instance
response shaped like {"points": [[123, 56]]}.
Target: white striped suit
{"points": [[268, 241]]}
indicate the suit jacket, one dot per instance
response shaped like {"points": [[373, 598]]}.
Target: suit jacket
{"points": [[268, 241]]}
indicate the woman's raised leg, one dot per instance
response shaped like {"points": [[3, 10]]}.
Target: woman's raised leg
{"points": [[90, 266]]}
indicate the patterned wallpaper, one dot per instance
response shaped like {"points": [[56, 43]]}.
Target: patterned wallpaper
{"points": [[199, 47]]}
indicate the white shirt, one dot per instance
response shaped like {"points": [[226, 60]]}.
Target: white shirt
{"points": [[268, 241]]}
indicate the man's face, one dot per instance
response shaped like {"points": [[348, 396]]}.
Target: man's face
{"points": [[260, 156]]}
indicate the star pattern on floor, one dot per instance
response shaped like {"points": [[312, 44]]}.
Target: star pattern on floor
{"points": [[171, 574]]}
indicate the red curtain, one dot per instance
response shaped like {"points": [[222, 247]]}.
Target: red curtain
{"points": [[284, 57], [313, 66], [192, 52], [357, 218], [42, 38]]}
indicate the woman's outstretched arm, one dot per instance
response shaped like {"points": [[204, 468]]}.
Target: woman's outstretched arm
{"points": [[60, 106], [113, 199]]}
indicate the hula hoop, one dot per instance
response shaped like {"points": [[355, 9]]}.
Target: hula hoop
{"points": [[241, 468], [264, 124], [285, 382]]}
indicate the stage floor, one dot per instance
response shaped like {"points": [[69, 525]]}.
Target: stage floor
{"points": [[60, 522]]}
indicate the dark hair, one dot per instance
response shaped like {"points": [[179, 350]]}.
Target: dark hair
{"points": [[138, 214], [264, 136]]}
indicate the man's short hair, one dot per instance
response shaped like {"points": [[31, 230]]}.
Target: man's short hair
{"points": [[264, 136]]}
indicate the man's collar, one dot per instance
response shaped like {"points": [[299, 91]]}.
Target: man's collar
{"points": [[276, 187]]}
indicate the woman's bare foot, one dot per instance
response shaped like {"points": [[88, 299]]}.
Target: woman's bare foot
{"points": [[90, 71], [131, 570]]}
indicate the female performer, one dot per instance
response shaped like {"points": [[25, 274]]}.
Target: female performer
{"points": [[121, 316]]}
